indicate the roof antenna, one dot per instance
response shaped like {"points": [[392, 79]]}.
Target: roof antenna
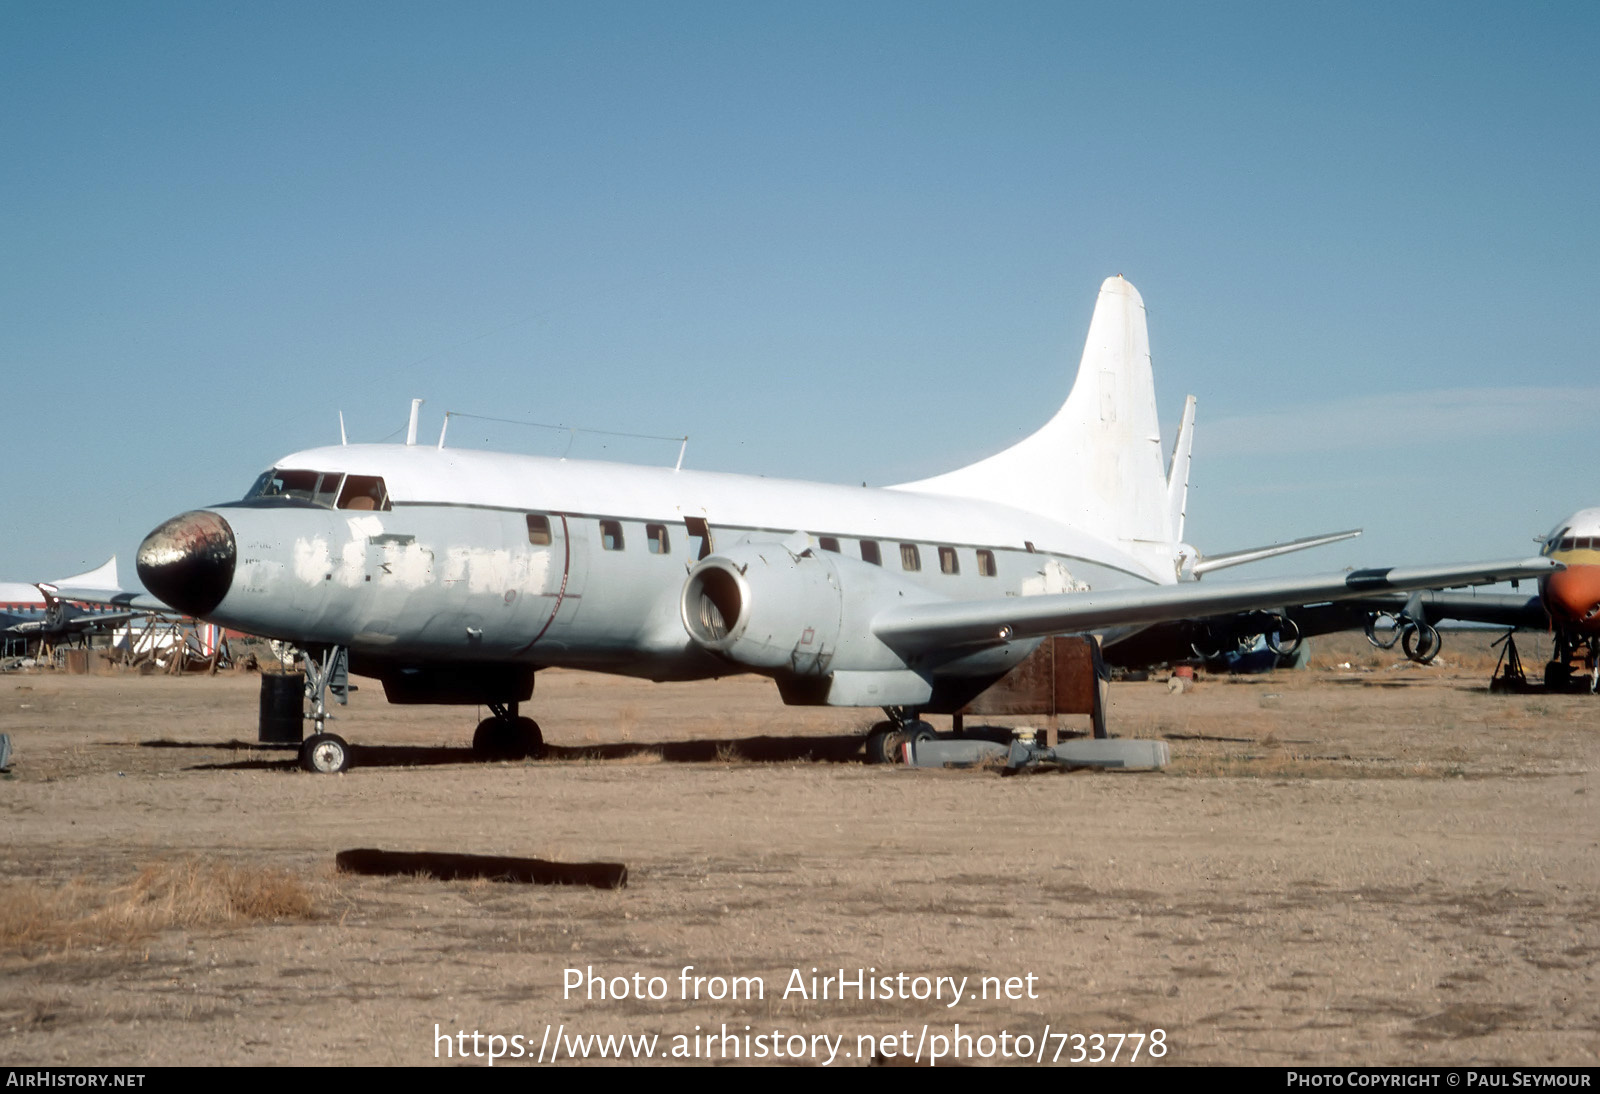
{"points": [[443, 428], [342, 439], [411, 430]]}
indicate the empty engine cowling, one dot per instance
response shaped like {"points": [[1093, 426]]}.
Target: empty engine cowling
{"points": [[762, 606]]}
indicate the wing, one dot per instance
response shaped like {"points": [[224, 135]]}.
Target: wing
{"points": [[947, 624], [72, 624], [133, 603]]}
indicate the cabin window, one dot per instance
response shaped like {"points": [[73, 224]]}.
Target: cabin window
{"points": [[985, 563], [870, 552], [948, 563], [363, 492], [699, 533], [539, 530], [829, 543], [1583, 543], [910, 558], [655, 536], [1566, 544], [611, 535]]}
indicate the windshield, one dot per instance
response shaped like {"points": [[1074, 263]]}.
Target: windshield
{"points": [[333, 489]]}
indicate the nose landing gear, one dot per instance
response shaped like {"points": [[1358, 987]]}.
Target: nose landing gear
{"points": [[326, 753]]}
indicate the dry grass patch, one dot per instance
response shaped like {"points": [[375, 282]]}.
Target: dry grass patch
{"points": [[186, 893]]}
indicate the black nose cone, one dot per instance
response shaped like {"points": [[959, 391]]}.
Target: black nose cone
{"points": [[188, 562]]}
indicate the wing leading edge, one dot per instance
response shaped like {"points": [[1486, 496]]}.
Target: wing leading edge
{"points": [[946, 624]]}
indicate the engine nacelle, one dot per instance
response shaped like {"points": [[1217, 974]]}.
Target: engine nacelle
{"points": [[804, 617], [763, 606]]}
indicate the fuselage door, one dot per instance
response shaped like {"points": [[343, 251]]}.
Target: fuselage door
{"points": [[554, 591]]}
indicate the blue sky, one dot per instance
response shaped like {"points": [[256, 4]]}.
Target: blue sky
{"points": [[837, 241]]}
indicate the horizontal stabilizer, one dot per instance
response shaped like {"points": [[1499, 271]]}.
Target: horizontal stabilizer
{"points": [[943, 624], [1208, 563]]}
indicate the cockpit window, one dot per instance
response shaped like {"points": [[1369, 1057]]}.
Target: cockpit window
{"points": [[327, 488], [363, 492], [285, 484]]}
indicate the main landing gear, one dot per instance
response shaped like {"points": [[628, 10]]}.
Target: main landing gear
{"points": [[1575, 664], [506, 736], [886, 740]]}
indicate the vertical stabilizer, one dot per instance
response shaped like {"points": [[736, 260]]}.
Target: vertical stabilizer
{"points": [[1097, 465]]}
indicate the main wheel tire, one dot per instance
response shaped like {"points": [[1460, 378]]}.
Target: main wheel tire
{"points": [[917, 733], [529, 738], [883, 744], [493, 740], [325, 754], [1557, 676], [514, 740]]}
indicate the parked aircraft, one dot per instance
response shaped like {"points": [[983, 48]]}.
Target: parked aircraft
{"points": [[453, 575], [36, 612], [1567, 605], [1572, 598]]}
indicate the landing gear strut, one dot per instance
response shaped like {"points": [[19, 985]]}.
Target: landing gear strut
{"points": [[326, 753], [507, 736], [1574, 659], [886, 739]]}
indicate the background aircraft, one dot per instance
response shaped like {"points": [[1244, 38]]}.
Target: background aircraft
{"points": [[1567, 605], [37, 613]]}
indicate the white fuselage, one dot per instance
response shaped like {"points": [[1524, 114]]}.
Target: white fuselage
{"points": [[453, 568]]}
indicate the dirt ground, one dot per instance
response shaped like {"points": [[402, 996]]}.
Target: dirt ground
{"points": [[1363, 865]]}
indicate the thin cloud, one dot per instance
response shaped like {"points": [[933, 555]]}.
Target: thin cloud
{"points": [[1390, 422]]}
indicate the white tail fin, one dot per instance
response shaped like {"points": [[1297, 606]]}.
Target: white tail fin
{"points": [[103, 577], [1097, 465]]}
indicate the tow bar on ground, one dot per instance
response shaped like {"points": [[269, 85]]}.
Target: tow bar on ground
{"points": [[1024, 751]]}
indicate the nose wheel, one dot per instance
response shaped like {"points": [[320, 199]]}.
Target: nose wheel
{"points": [[325, 754]]}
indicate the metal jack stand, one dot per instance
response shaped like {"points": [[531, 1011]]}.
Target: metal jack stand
{"points": [[1512, 678]]}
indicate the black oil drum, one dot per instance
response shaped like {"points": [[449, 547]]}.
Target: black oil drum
{"points": [[283, 698]]}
